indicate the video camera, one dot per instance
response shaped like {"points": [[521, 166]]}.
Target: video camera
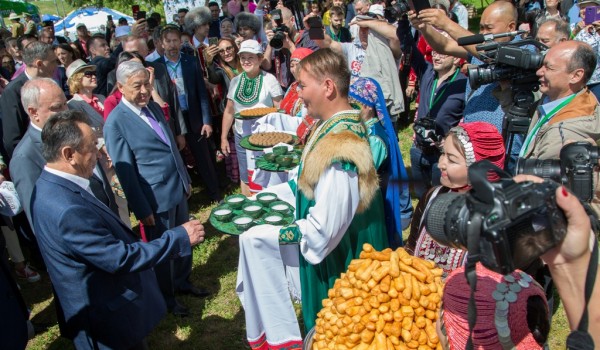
{"points": [[280, 31], [574, 169], [505, 225], [504, 61]]}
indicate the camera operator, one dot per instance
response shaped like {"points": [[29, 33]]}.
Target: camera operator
{"points": [[568, 111], [569, 261], [489, 102], [553, 31], [441, 108], [374, 54], [589, 34], [277, 59]]}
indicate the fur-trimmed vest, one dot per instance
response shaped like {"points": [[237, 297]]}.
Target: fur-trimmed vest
{"points": [[341, 147]]}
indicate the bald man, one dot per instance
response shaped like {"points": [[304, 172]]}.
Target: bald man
{"points": [[553, 31], [568, 110], [486, 102], [41, 99]]}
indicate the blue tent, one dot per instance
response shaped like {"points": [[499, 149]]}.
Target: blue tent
{"points": [[94, 19], [53, 18]]}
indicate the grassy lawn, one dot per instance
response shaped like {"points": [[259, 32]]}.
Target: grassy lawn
{"points": [[218, 321]]}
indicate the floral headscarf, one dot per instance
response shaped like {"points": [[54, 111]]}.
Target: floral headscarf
{"points": [[398, 206]]}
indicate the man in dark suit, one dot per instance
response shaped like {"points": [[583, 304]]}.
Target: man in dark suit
{"points": [[153, 176], [101, 272], [41, 62], [13, 323], [193, 99], [103, 59]]}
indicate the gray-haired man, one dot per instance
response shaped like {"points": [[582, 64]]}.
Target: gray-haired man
{"points": [[153, 176]]}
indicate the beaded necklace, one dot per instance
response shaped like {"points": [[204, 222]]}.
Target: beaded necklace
{"points": [[248, 90]]}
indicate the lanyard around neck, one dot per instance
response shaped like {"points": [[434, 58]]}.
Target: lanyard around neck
{"points": [[172, 66], [439, 95], [543, 121]]}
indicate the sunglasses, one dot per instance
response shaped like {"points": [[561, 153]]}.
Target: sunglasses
{"points": [[227, 49], [89, 73]]}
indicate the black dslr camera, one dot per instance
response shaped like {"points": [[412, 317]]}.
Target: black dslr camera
{"points": [[506, 61], [574, 169], [393, 12], [505, 225], [280, 31], [425, 132]]}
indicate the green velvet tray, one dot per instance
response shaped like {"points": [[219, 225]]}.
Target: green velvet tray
{"points": [[239, 117], [230, 228], [245, 143]]}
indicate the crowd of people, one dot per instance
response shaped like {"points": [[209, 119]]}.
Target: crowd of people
{"points": [[113, 123]]}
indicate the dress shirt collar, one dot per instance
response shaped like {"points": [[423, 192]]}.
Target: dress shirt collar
{"points": [[78, 180], [197, 42], [137, 110], [36, 127], [548, 105]]}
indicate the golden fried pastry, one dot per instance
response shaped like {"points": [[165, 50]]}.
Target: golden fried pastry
{"points": [[269, 139], [257, 112]]}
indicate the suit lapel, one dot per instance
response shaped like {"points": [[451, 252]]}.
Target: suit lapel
{"points": [[86, 196], [136, 119], [160, 117]]}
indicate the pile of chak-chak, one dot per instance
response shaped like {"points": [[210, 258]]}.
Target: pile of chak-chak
{"points": [[386, 300]]}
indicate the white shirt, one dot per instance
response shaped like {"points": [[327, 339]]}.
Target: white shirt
{"points": [[153, 56], [197, 42], [270, 89], [78, 180], [137, 111], [355, 56], [36, 127]]}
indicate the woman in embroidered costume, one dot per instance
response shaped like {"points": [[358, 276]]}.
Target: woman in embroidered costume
{"points": [[388, 161], [464, 145], [338, 208], [223, 64], [253, 88], [512, 312]]}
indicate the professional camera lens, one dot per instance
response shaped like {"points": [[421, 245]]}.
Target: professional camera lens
{"points": [[447, 218], [277, 40], [544, 168]]}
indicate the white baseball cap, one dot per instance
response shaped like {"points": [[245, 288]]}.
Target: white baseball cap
{"points": [[251, 46], [376, 9]]}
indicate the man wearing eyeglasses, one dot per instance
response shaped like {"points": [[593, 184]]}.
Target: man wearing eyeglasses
{"points": [[192, 96]]}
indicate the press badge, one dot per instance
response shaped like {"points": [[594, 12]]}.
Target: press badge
{"points": [[179, 85]]}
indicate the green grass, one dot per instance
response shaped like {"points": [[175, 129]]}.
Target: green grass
{"points": [[218, 321]]}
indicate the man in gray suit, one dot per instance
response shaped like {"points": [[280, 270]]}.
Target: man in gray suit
{"points": [[164, 88], [41, 98], [153, 176]]}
